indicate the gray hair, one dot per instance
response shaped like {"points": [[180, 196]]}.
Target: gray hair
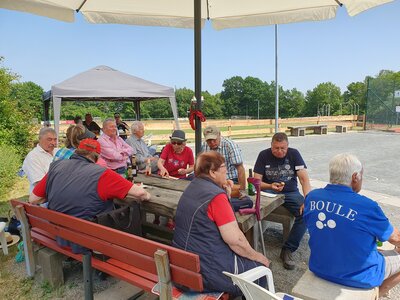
{"points": [[135, 126], [45, 130], [342, 167], [112, 120]]}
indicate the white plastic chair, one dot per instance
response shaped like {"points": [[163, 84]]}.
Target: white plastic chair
{"points": [[3, 240], [253, 291]]}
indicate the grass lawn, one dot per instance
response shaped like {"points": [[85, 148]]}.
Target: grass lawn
{"points": [[13, 281]]}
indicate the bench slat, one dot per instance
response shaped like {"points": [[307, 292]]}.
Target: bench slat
{"points": [[97, 264], [178, 275], [116, 237]]}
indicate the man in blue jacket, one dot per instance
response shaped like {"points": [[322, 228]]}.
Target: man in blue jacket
{"points": [[344, 228]]}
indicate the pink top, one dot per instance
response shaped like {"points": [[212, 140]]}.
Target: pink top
{"points": [[114, 152]]}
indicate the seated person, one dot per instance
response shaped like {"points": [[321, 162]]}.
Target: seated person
{"points": [[114, 150], [206, 225], [80, 188], [344, 227], [91, 125], [75, 134], [37, 162], [144, 154], [122, 127], [176, 159]]}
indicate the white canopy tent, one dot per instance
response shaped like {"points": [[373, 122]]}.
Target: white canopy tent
{"points": [[103, 83]]}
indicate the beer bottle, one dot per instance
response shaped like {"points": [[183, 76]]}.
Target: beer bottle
{"points": [[134, 166], [250, 188], [129, 173]]}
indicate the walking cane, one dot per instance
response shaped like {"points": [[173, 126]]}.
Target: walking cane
{"points": [[256, 210]]}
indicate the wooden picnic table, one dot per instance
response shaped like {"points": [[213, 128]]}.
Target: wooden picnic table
{"points": [[165, 195]]}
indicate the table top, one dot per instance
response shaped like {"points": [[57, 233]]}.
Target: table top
{"points": [[165, 195]]}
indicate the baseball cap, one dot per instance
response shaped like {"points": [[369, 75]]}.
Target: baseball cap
{"points": [[90, 145], [178, 135], [211, 132]]}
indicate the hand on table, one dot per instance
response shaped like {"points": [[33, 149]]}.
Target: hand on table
{"points": [[164, 172]]}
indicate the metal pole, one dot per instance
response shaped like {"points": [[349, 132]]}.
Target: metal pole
{"points": [[258, 109], [87, 276], [197, 70], [276, 80]]}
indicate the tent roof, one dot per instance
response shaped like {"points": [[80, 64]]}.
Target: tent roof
{"points": [[105, 83]]}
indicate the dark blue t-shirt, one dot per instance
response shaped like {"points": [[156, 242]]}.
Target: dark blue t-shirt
{"points": [[343, 228], [276, 169]]}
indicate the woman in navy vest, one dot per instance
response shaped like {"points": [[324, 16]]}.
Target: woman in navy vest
{"points": [[206, 225]]}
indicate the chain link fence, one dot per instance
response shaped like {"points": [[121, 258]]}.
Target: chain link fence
{"points": [[383, 104]]}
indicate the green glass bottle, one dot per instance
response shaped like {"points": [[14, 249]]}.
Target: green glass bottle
{"points": [[251, 191]]}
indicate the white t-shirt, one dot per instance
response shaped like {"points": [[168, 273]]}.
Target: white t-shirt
{"points": [[36, 165]]}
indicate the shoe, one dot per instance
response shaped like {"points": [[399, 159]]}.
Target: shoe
{"points": [[287, 258], [170, 225]]}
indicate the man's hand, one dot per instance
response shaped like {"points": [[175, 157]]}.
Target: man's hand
{"points": [[228, 187], [278, 186], [182, 171], [301, 209]]}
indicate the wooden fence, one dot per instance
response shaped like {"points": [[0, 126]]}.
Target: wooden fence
{"points": [[243, 128]]}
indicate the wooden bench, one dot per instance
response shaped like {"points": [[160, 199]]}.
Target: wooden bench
{"points": [[136, 260], [341, 128], [301, 130], [311, 287]]}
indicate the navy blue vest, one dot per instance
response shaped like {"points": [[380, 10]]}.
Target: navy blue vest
{"points": [[71, 188], [195, 232]]}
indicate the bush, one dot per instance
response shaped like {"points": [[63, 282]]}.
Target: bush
{"points": [[9, 165]]}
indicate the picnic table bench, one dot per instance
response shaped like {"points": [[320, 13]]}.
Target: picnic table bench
{"points": [[301, 130], [136, 260]]}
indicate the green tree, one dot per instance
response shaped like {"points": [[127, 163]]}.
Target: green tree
{"points": [[15, 126], [356, 93], [291, 103], [325, 93], [28, 97]]}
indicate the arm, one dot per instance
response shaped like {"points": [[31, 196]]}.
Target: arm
{"points": [[139, 193], [109, 152], [395, 237], [38, 194], [241, 176], [304, 180], [163, 170], [36, 199], [275, 186], [234, 237]]}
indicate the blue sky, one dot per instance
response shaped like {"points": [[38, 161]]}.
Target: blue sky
{"points": [[341, 50]]}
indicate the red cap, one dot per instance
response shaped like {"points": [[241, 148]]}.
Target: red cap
{"points": [[90, 145]]}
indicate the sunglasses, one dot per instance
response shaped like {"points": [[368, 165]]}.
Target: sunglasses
{"points": [[176, 143]]}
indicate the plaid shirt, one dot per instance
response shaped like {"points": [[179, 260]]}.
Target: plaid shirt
{"points": [[232, 154], [63, 153]]}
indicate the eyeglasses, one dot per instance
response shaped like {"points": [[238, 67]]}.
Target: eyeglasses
{"points": [[176, 143]]}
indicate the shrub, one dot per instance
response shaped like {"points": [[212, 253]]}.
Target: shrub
{"points": [[9, 165]]}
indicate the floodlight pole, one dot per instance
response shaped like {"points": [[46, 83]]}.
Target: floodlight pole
{"points": [[197, 71], [276, 81]]}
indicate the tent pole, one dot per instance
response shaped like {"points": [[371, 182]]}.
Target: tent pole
{"points": [[137, 109], [276, 81], [197, 71]]}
